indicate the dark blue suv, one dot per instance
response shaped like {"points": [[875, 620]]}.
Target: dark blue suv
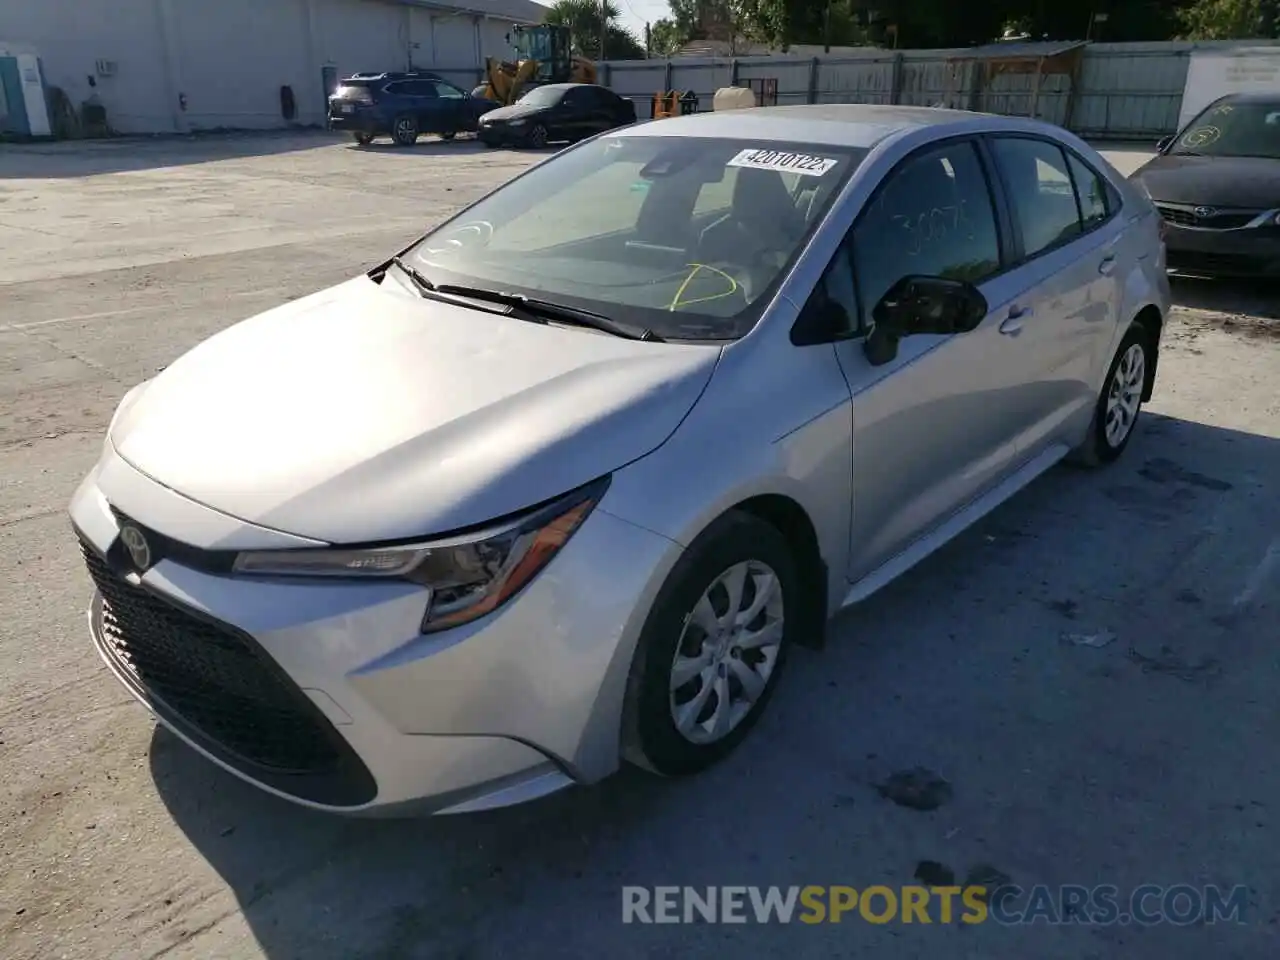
{"points": [[403, 106]]}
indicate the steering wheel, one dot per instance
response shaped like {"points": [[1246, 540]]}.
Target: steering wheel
{"points": [[475, 233]]}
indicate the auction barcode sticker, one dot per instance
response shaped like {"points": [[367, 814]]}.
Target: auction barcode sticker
{"points": [[784, 162]]}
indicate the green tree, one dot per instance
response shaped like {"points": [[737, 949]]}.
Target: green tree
{"points": [[1231, 19], [582, 17], [666, 38]]}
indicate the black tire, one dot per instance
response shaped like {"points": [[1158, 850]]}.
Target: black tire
{"points": [[1097, 450], [405, 131], [537, 138], [654, 742], [363, 139], [448, 134]]}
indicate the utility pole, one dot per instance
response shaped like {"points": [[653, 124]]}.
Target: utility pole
{"points": [[648, 39], [826, 29], [604, 26]]}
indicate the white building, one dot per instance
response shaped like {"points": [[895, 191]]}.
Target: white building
{"points": [[182, 65]]}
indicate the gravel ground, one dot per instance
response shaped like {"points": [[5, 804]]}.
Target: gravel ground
{"points": [[1145, 760]]}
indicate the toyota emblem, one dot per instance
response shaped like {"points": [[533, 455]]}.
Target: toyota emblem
{"points": [[136, 544], [1204, 213]]}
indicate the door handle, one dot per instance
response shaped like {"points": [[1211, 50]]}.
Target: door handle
{"points": [[1108, 265], [1012, 325]]}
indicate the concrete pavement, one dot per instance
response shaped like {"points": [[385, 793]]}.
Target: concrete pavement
{"points": [[1148, 759]]}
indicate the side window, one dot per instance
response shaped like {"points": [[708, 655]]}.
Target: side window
{"points": [[933, 216], [1041, 191], [422, 88], [837, 287], [395, 89], [447, 91], [1091, 189]]}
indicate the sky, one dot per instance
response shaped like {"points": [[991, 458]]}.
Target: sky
{"points": [[634, 13]]}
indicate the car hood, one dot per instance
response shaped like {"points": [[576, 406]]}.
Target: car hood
{"points": [[1248, 182], [365, 413], [517, 111]]}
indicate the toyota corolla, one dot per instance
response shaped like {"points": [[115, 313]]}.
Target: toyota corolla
{"points": [[563, 483]]}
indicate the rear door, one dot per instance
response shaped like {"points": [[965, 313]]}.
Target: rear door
{"points": [[1063, 288]]}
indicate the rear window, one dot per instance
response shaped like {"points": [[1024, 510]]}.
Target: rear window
{"points": [[352, 91]]}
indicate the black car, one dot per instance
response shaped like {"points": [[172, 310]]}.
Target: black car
{"points": [[403, 106], [1217, 185], [556, 111]]}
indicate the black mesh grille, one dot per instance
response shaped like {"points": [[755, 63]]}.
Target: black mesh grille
{"points": [[216, 681]]}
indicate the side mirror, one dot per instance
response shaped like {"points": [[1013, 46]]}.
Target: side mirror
{"points": [[923, 305], [1164, 144]]}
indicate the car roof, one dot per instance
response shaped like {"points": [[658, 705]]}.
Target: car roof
{"points": [[393, 75], [1251, 96], [860, 125]]}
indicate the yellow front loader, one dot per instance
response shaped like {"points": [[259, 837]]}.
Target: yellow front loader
{"points": [[543, 55]]}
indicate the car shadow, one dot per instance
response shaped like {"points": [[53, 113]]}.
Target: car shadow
{"points": [[86, 158], [1255, 298], [1072, 760]]}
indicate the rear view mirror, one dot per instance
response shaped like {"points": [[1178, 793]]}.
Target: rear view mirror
{"points": [[1164, 144], [923, 305]]}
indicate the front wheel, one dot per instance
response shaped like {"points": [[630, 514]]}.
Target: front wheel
{"points": [[537, 137], [1120, 402], [713, 646]]}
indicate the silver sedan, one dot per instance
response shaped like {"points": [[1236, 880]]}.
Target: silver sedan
{"points": [[563, 483]]}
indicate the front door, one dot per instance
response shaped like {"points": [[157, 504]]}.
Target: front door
{"points": [[934, 428], [451, 105]]}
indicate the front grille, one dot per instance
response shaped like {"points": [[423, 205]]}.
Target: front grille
{"points": [[217, 684], [1227, 220]]}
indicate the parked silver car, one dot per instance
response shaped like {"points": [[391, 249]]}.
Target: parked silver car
{"points": [[563, 482]]}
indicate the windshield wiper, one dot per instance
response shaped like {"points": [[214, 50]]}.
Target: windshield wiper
{"points": [[419, 279], [544, 311]]}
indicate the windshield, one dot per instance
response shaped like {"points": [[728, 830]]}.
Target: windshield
{"points": [[1249, 128], [541, 97], [684, 236]]}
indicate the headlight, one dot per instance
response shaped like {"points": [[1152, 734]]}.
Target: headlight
{"points": [[125, 403], [468, 575]]}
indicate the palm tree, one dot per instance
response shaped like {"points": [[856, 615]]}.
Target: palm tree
{"points": [[582, 17]]}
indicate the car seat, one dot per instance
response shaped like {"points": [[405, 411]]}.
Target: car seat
{"points": [[762, 225]]}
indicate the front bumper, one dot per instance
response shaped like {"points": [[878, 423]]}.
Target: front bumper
{"points": [[500, 135], [1245, 253], [326, 694]]}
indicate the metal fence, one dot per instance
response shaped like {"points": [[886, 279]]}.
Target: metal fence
{"points": [[1124, 91]]}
